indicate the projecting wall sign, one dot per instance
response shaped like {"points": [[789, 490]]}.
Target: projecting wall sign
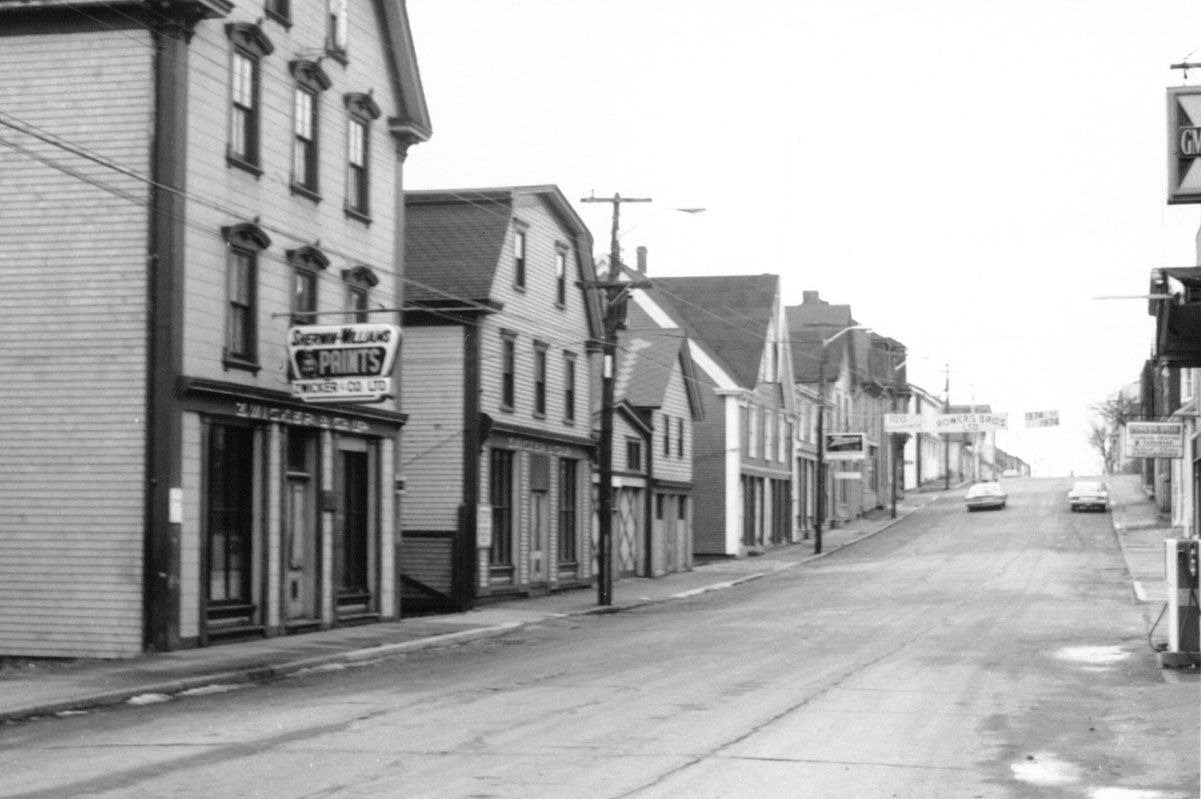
{"points": [[343, 363], [1184, 145]]}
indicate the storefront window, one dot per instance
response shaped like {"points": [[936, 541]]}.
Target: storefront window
{"points": [[230, 516]]}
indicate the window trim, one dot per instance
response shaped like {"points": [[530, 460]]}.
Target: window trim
{"points": [[337, 32], [279, 11], [362, 110], [251, 45], [569, 387], [358, 281], [310, 262], [312, 81], [508, 370], [245, 239], [634, 453], [521, 250], [541, 370], [560, 275]]}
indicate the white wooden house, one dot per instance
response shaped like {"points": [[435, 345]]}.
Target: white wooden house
{"points": [[501, 324]]}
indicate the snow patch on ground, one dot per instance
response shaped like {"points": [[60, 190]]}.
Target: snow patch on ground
{"points": [[218, 688], [1093, 655], [1045, 769], [1125, 793], [147, 699]]}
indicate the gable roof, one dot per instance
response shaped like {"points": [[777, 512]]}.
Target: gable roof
{"points": [[453, 242], [645, 364], [727, 316]]}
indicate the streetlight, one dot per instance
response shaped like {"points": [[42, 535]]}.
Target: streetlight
{"points": [[821, 438]]}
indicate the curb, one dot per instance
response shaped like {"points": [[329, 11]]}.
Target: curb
{"points": [[254, 674]]}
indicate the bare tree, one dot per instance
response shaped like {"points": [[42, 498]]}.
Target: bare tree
{"points": [[1105, 430]]}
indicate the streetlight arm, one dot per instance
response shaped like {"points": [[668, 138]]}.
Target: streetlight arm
{"points": [[827, 342]]}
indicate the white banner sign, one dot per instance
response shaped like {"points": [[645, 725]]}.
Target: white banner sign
{"points": [[1155, 440], [1042, 418], [971, 422], [902, 423]]}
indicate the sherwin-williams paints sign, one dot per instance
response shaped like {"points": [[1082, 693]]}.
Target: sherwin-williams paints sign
{"points": [[1184, 145], [343, 363]]}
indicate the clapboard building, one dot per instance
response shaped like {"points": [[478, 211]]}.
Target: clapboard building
{"points": [[183, 181]]}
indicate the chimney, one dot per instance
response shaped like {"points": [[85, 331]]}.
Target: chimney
{"points": [[810, 297], [641, 260]]}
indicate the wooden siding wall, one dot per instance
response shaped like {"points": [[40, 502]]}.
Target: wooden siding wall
{"points": [[533, 314], [709, 475], [73, 287], [675, 406], [290, 220], [191, 588], [432, 447]]}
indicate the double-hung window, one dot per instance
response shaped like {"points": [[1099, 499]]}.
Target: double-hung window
{"points": [[243, 243], [508, 369], [307, 264], [337, 33], [311, 81], [363, 111], [359, 282], [540, 379], [560, 277], [519, 237], [250, 46], [569, 388]]}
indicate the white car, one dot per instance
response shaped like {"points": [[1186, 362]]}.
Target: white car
{"points": [[1089, 495], [985, 495]]}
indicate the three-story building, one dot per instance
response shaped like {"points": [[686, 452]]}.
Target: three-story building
{"points": [[185, 181]]}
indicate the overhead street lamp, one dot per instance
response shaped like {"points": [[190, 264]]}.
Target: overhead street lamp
{"points": [[821, 438]]}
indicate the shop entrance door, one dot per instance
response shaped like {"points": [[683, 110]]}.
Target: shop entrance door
{"points": [[539, 517], [301, 530], [539, 531], [353, 553]]}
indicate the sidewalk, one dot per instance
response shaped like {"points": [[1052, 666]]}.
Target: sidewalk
{"points": [[1141, 530], [50, 688]]}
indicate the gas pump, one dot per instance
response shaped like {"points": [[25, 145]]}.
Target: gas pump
{"points": [[1184, 608]]}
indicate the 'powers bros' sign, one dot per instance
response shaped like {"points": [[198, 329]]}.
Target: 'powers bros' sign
{"points": [[343, 363]]}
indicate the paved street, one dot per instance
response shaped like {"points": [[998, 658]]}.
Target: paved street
{"points": [[992, 654]]}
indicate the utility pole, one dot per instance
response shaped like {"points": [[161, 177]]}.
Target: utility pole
{"points": [[946, 442], [820, 511], [615, 293]]}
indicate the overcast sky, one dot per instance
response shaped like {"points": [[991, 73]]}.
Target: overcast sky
{"points": [[968, 176]]}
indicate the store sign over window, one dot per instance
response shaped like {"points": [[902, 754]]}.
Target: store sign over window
{"points": [[343, 363], [1184, 145]]}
